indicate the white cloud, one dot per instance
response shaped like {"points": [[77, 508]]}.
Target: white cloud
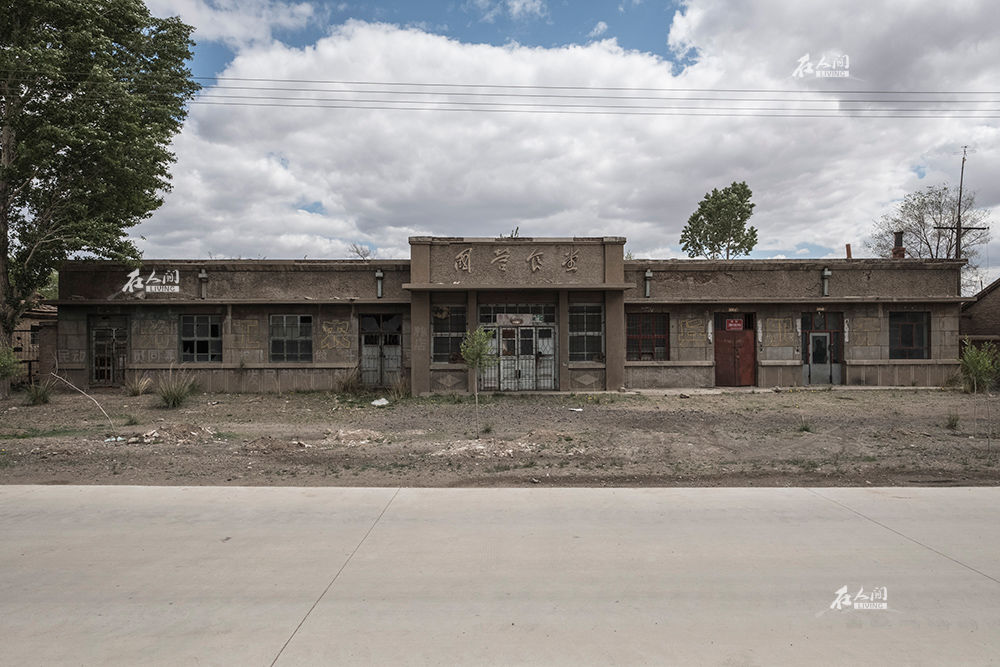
{"points": [[245, 175], [515, 9], [598, 30], [236, 22]]}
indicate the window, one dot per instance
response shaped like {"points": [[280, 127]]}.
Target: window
{"points": [[586, 333], [201, 338], [647, 337], [909, 335], [291, 338], [448, 330]]}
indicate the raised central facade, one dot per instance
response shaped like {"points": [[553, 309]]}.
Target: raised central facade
{"points": [[567, 314]]}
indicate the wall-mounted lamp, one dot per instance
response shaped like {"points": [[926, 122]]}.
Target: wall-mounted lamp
{"points": [[826, 281], [378, 282], [649, 280], [203, 284]]}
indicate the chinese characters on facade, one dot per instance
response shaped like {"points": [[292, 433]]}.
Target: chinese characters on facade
{"points": [[535, 260]]}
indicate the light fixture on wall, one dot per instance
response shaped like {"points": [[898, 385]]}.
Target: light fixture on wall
{"points": [[649, 280], [378, 282], [203, 284]]}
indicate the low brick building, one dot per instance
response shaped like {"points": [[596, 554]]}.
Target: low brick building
{"points": [[568, 314], [980, 321]]}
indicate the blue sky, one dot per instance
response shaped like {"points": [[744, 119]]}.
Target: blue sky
{"points": [[640, 25]]}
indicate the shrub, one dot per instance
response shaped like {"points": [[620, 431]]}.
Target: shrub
{"points": [[952, 423], [10, 365], [979, 367], [39, 393], [175, 388], [137, 385]]}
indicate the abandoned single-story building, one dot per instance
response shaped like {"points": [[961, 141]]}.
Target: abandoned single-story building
{"points": [[568, 314]]}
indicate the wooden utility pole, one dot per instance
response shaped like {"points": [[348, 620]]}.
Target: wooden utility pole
{"points": [[959, 230]]}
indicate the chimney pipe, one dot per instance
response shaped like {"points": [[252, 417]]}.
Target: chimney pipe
{"points": [[898, 251], [848, 246]]}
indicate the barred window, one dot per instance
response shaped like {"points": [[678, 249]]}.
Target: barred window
{"points": [[647, 337], [201, 338], [448, 329], [910, 335], [586, 333], [291, 338]]}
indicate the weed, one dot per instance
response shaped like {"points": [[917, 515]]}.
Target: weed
{"points": [[137, 385], [351, 384], [805, 426], [131, 420], [487, 428], [175, 388], [952, 423], [39, 393], [399, 389]]}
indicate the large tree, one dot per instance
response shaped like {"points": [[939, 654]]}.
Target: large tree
{"points": [[920, 214], [91, 94], [718, 228]]}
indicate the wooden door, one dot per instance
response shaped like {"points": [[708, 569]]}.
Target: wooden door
{"points": [[735, 358]]}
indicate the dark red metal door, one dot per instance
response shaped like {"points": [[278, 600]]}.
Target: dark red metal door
{"points": [[735, 358]]}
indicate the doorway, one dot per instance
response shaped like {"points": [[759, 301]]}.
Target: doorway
{"points": [[381, 349], [735, 351], [108, 351], [820, 371], [526, 359]]}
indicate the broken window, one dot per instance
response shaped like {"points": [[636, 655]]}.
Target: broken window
{"points": [[201, 338], [291, 338], [448, 329]]}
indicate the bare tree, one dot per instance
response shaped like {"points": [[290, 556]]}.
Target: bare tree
{"points": [[362, 252], [920, 215]]}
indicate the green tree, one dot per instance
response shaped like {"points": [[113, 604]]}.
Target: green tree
{"points": [[718, 228], [91, 93], [476, 349]]}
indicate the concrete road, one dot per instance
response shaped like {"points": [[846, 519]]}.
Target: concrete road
{"points": [[318, 576]]}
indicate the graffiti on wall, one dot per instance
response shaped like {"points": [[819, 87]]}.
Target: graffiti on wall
{"points": [[336, 335], [780, 331], [153, 356], [691, 331], [245, 333]]}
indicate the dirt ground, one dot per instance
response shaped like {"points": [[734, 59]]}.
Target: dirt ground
{"points": [[761, 438]]}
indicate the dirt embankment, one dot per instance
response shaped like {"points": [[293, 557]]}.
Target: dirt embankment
{"points": [[765, 438]]}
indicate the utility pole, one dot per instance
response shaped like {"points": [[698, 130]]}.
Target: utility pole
{"points": [[959, 230]]}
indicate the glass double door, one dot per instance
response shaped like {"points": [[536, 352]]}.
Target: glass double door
{"points": [[526, 359]]}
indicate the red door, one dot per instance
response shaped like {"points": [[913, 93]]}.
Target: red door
{"points": [[735, 358]]}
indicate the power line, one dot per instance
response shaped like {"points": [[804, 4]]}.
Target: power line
{"points": [[616, 112]]}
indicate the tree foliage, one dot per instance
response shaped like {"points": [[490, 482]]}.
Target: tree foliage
{"points": [[919, 215], [718, 228], [91, 94]]}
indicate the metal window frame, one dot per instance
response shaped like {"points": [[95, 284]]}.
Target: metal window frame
{"points": [[195, 338], [283, 357], [586, 333], [652, 338]]}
